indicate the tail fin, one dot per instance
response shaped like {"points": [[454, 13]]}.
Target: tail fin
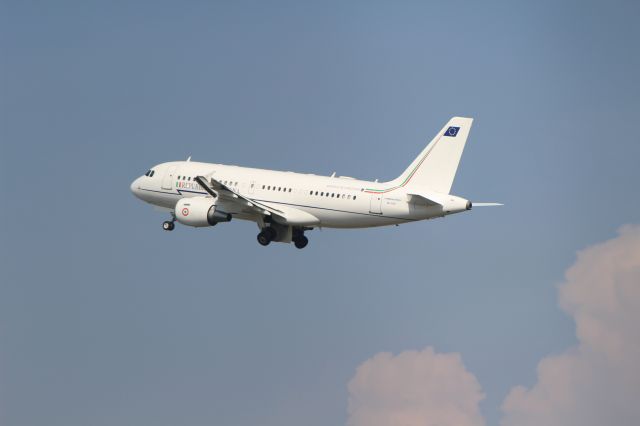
{"points": [[436, 166]]}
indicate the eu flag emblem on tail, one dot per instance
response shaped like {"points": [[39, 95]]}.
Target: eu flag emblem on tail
{"points": [[452, 131]]}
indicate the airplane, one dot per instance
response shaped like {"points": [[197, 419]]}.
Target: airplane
{"points": [[285, 205]]}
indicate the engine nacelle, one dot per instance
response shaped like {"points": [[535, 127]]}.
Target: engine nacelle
{"points": [[199, 212]]}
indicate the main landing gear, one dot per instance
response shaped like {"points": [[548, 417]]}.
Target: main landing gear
{"points": [[301, 242], [298, 238], [269, 234]]}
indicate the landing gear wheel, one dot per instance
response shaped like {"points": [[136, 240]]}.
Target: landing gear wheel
{"points": [[301, 242], [263, 238], [271, 233], [168, 225]]}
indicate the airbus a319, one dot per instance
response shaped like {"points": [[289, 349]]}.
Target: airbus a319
{"points": [[285, 205]]}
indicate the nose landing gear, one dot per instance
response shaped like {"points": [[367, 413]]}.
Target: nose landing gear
{"points": [[169, 224]]}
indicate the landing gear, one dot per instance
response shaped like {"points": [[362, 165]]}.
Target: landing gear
{"points": [[263, 239], [267, 235], [168, 225], [301, 242], [272, 233]]}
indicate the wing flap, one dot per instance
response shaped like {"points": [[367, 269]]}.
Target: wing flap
{"points": [[295, 217]]}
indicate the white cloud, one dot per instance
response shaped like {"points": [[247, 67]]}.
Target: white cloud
{"points": [[414, 389], [597, 382]]}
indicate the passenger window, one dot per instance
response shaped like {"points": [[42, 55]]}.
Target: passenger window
{"points": [[322, 194], [279, 188], [262, 186], [289, 189], [354, 197]]}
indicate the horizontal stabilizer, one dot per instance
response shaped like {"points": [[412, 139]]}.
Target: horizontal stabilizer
{"points": [[447, 202], [430, 198]]}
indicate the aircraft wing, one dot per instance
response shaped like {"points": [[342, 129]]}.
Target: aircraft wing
{"points": [[282, 214]]}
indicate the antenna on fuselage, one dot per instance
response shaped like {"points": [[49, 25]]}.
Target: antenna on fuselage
{"points": [[188, 159]]}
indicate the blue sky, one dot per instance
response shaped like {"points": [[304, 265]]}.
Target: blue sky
{"points": [[105, 319]]}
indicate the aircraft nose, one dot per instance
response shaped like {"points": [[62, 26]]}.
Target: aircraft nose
{"points": [[135, 187]]}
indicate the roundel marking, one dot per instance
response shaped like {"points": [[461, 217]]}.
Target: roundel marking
{"points": [[185, 212]]}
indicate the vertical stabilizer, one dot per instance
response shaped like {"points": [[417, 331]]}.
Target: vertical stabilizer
{"points": [[436, 166]]}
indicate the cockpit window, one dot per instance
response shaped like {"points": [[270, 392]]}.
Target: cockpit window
{"points": [[148, 173], [153, 172]]}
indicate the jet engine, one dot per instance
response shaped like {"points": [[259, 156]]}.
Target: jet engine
{"points": [[199, 212]]}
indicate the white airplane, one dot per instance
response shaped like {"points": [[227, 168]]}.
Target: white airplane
{"points": [[286, 204]]}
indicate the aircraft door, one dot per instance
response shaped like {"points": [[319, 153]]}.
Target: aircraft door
{"points": [[375, 204], [167, 180]]}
